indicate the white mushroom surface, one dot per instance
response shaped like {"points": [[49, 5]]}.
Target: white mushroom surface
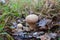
{"points": [[32, 18]]}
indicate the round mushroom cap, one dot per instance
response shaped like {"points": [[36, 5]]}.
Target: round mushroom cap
{"points": [[19, 25], [32, 18]]}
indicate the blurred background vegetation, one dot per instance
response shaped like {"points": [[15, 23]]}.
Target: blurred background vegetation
{"points": [[11, 9]]}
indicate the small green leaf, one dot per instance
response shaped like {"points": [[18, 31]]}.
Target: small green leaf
{"points": [[1, 26]]}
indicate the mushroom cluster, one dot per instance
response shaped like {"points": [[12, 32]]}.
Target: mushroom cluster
{"points": [[38, 31]]}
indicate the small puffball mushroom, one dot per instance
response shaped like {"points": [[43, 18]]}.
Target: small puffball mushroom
{"points": [[31, 20], [19, 27]]}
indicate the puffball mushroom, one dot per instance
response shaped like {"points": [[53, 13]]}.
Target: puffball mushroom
{"points": [[19, 27], [31, 20]]}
